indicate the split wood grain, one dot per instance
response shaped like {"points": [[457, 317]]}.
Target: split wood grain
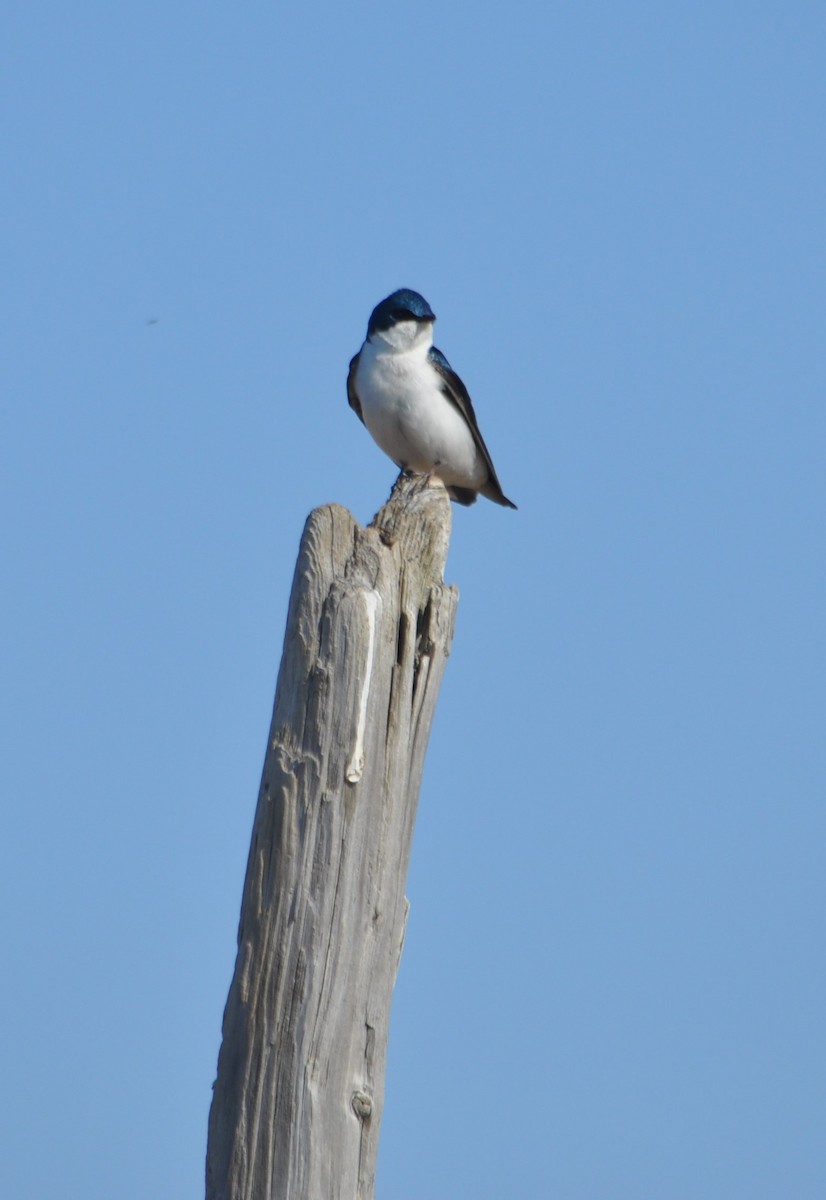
{"points": [[298, 1097]]}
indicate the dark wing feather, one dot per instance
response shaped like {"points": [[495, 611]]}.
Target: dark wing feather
{"points": [[353, 399], [458, 395]]}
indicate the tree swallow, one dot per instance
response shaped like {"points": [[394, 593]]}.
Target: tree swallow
{"points": [[414, 404]]}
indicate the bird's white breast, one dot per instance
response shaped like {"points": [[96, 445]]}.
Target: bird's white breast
{"points": [[408, 414]]}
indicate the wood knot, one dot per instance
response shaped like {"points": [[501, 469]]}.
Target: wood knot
{"points": [[362, 1105]]}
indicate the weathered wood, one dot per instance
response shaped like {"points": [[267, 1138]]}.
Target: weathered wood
{"points": [[298, 1098]]}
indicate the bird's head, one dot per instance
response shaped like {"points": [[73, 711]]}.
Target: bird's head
{"points": [[402, 306]]}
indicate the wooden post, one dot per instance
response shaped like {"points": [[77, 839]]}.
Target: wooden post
{"points": [[298, 1098]]}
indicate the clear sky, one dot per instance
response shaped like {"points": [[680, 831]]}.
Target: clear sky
{"points": [[613, 985]]}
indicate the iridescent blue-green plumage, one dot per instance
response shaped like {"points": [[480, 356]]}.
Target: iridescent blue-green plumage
{"points": [[403, 305]]}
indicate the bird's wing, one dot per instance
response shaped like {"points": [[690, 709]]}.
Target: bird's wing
{"points": [[353, 399], [459, 397]]}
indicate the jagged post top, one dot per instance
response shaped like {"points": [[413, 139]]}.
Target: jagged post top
{"points": [[417, 518], [413, 525]]}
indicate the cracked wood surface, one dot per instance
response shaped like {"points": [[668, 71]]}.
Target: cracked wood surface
{"points": [[298, 1097]]}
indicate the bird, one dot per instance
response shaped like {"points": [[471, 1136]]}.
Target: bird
{"points": [[415, 406]]}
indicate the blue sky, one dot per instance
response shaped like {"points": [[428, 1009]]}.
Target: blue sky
{"points": [[613, 982]]}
